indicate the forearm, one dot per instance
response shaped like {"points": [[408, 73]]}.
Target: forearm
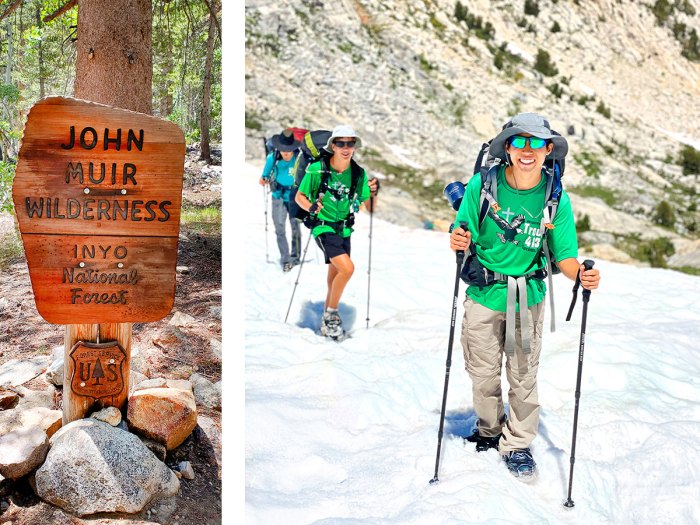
{"points": [[569, 267], [303, 202]]}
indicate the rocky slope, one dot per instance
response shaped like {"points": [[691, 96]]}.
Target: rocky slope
{"points": [[427, 81]]}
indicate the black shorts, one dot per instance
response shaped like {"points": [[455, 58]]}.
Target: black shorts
{"points": [[333, 245]]}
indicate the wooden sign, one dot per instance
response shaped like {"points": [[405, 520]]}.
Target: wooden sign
{"points": [[97, 195], [98, 369]]}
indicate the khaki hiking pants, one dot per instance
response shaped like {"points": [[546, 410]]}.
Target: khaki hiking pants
{"points": [[483, 336]]}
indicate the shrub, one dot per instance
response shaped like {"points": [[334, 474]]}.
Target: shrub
{"points": [[583, 224], [556, 28], [603, 109], [689, 160], [655, 251], [664, 215], [544, 64], [531, 8]]}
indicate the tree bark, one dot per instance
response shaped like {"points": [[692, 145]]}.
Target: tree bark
{"points": [[205, 115], [113, 63], [114, 67]]}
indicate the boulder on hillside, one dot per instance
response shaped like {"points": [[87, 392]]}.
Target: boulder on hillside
{"points": [[55, 372], [167, 415], [94, 467]]}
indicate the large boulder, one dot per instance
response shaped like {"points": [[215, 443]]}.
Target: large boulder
{"points": [[94, 467], [206, 393], [167, 415]]}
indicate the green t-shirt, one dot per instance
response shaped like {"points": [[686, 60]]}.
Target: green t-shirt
{"points": [[509, 240], [336, 201]]}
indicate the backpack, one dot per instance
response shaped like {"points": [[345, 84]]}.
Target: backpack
{"points": [[311, 221], [473, 271]]}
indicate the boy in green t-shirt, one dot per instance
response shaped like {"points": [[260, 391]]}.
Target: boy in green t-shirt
{"points": [[332, 208], [508, 243]]}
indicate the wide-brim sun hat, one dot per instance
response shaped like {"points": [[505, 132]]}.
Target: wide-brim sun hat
{"points": [[343, 131], [285, 141], [532, 124]]}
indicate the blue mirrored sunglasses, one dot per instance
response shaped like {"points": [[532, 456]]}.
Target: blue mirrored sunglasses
{"points": [[535, 142]]}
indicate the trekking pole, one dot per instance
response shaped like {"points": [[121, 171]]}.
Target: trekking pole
{"points": [[586, 294], [298, 274], [267, 252], [369, 264], [460, 261]]}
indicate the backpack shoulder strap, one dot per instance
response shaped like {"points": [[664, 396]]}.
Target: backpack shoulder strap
{"points": [[489, 191], [357, 172]]}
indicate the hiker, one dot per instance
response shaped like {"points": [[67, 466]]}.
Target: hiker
{"points": [[507, 259], [279, 174], [332, 205]]}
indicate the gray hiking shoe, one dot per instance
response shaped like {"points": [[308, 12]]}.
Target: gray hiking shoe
{"points": [[331, 324]]}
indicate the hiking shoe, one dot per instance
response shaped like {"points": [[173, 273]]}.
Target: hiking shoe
{"points": [[520, 462], [331, 325], [286, 267], [483, 443]]}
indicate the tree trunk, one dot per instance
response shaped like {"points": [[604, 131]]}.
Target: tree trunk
{"points": [[205, 116], [114, 67], [114, 64], [42, 81]]}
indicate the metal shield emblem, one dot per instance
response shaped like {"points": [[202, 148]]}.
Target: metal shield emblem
{"points": [[97, 369]]}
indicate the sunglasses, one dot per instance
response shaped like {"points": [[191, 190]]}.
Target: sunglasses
{"points": [[345, 143], [535, 142]]}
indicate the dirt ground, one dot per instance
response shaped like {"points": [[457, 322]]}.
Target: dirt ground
{"points": [[155, 353]]}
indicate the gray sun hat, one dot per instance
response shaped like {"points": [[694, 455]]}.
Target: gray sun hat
{"points": [[343, 131], [285, 141], [534, 125]]}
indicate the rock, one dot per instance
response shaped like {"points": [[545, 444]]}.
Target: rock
{"points": [[183, 269], [185, 468], [109, 415], [17, 372], [212, 430], [181, 320], [94, 467], [57, 353], [215, 312], [157, 448], [44, 418], [170, 337], [610, 253], [135, 378], [8, 399], [36, 398], [205, 392], [54, 373], [167, 415], [156, 382], [4, 304], [22, 450], [215, 347], [182, 384]]}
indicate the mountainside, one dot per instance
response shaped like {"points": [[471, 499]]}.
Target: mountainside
{"points": [[425, 82]]}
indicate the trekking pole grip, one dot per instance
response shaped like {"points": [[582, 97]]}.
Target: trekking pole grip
{"points": [[587, 265], [460, 253]]}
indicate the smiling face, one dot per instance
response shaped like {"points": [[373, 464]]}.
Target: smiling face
{"points": [[342, 147], [527, 160], [287, 155]]}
